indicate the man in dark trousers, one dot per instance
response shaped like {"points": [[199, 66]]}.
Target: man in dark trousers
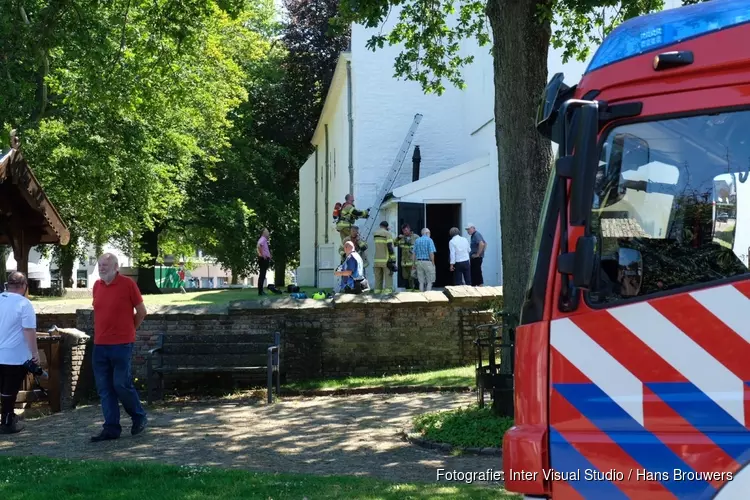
{"points": [[115, 298], [264, 259], [478, 246], [17, 346]]}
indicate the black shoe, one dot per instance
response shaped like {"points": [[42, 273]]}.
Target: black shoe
{"points": [[138, 428], [103, 436], [12, 428]]}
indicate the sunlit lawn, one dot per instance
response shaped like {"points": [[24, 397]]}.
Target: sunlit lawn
{"points": [[204, 297], [32, 478], [451, 377]]}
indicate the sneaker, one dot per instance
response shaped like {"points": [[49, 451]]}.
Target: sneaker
{"points": [[139, 427], [103, 436]]}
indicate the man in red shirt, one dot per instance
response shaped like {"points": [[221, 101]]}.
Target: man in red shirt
{"points": [[115, 297]]}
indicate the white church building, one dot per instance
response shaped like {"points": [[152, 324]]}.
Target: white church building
{"points": [[364, 122]]}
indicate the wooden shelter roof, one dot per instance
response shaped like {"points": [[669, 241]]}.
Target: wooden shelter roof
{"points": [[24, 206]]}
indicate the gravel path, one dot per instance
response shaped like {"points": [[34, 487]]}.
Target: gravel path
{"points": [[355, 435]]}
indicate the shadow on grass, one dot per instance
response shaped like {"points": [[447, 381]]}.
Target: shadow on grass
{"points": [[354, 436]]}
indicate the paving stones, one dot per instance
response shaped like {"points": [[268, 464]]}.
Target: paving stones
{"points": [[353, 435]]}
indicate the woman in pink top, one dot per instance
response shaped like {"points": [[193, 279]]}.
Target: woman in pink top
{"points": [[264, 259]]}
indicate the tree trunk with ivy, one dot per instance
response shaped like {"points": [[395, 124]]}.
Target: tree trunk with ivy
{"points": [[66, 258], [525, 156], [150, 251]]}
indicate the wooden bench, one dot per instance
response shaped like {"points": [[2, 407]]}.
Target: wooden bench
{"points": [[230, 353]]}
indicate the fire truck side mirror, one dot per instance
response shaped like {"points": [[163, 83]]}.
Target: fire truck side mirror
{"points": [[585, 162], [581, 263]]}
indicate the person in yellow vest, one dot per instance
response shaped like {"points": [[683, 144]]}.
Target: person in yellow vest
{"points": [[359, 245], [348, 216], [405, 242], [385, 258]]}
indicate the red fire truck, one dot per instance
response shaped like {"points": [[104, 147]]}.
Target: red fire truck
{"points": [[632, 375]]}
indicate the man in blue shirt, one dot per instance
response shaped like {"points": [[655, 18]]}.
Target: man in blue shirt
{"points": [[424, 252], [352, 271]]}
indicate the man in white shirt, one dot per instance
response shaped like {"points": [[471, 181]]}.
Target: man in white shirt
{"points": [[17, 346], [460, 251]]}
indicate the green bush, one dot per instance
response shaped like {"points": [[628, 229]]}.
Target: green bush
{"points": [[470, 427]]}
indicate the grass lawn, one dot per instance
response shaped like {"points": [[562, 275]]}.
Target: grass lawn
{"points": [[452, 377], [467, 427], [31, 478], [207, 297]]}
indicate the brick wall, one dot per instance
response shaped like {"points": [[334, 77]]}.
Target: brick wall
{"points": [[77, 376], [44, 321], [354, 335]]}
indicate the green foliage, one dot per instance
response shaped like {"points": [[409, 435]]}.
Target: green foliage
{"points": [[119, 102], [465, 427], [255, 185], [430, 31]]}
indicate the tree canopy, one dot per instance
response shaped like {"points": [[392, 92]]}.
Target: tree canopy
{"points": [[128, 111]]}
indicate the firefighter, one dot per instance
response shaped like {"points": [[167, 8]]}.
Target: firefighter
{"points": [[405, 242], [348, 216], [359, 244], [385, 259]]}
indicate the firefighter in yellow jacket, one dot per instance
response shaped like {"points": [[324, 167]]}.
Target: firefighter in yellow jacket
{"points": [[405, 242], [359, 245], [348, 216], [385, 258]]}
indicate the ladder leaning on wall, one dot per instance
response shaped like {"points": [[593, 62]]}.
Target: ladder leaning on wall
{"points": [[392, 176]]}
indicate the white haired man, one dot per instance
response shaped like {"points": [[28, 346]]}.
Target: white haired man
{"points": [[352, 271], [115, 298], [424, 253]]}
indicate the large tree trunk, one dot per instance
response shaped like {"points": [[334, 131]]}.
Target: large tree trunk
{"points": [[146, 274], [279, 272], [4, 252], [524, 157]]}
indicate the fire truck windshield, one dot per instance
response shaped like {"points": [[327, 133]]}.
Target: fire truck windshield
{"points": [[647, 33], [673, 195]]}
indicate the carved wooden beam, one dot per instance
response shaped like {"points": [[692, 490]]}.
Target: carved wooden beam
{"points": [[29, 187]]}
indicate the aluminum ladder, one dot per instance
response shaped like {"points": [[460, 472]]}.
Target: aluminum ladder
{"points": [[398, 163]]}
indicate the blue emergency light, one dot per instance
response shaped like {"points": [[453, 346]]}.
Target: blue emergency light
{"points": [[646, 33]]}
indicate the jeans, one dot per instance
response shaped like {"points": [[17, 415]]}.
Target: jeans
{"points": [[264, 264], [462, 270], [114, 381]]}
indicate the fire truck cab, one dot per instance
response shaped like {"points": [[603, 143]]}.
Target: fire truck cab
{"points": [[632, 373]]}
